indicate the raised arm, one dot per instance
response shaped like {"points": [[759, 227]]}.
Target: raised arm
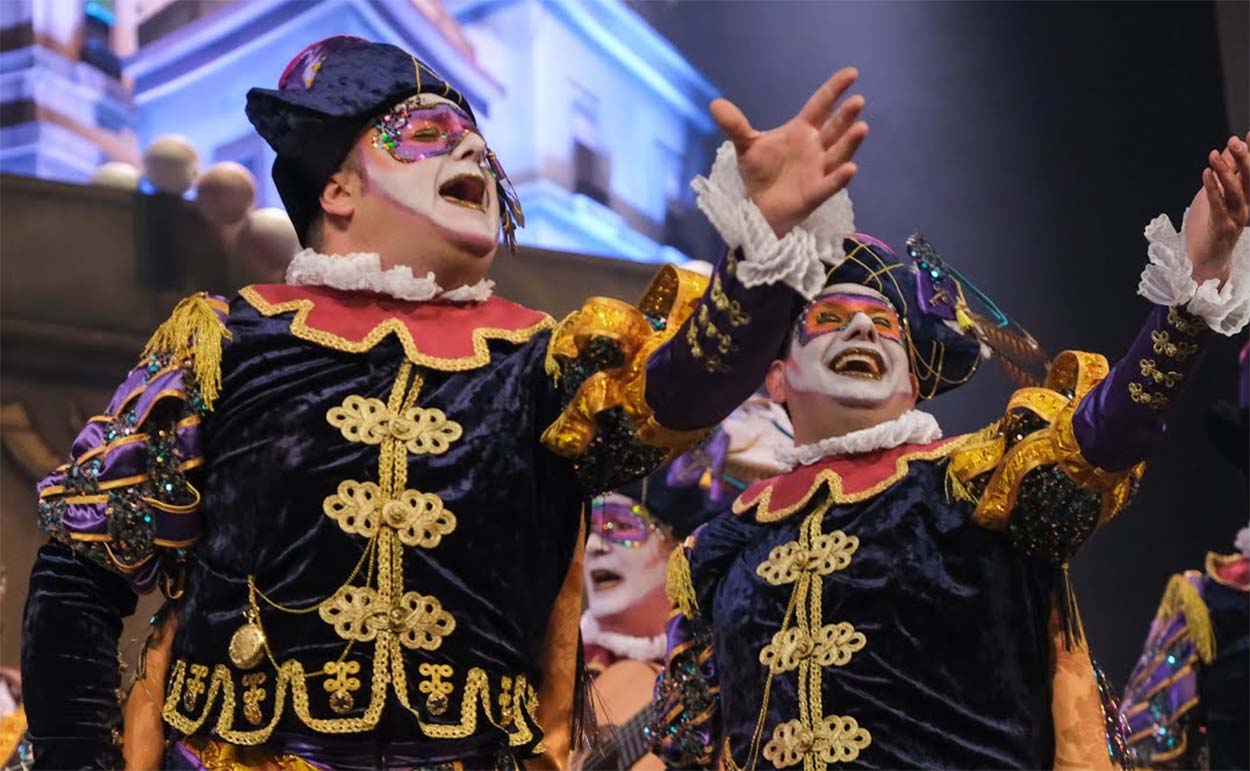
{"points": [[644, 382], [1199, 280]]}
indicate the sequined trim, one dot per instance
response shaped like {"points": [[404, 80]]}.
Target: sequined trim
{"points": [[1072, 372], [481, 350], [673, 297]]}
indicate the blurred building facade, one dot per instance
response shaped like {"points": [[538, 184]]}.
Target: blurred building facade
{"points": [[598, 119]]}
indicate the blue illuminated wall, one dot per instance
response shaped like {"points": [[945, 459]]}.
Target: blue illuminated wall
{"points": [[597, 118]]}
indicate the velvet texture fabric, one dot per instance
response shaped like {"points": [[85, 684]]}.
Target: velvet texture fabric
{"points": [[83, 605], [274, 459], [955, 671]]}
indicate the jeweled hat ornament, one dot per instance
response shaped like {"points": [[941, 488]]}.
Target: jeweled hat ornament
{"points": [[329, 95], [946, 335]]}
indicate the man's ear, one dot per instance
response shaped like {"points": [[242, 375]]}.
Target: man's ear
{"points": [[338, 197], [775, 382]]}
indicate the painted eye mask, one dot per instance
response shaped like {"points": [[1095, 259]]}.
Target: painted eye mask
{"points": [[410, 132], [832, 312], [623, 525]]}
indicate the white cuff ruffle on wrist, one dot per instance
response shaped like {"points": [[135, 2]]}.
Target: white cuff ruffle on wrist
{"points": [[800, 258], [1168, 278]]}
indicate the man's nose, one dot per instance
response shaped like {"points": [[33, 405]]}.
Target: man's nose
{"points": [[471, 147], [861, 328], [597, 544]]}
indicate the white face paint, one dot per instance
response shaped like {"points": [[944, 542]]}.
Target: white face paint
{"points": [[454, 191], [620, 578], [849, 348]]}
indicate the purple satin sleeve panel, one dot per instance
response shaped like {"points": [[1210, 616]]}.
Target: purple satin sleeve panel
{"points": [[1123, 417], [722, 352]]}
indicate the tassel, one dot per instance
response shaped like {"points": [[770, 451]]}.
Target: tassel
{"points": [[965, 322], [193, 331], [956, 490], [1069, 614], [679, 586], [1181, 596]]}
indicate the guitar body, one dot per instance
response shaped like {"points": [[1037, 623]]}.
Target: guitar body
{"points": [[624, 690]]}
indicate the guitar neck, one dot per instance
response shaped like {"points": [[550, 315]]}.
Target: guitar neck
{"points": [[625, 745]]}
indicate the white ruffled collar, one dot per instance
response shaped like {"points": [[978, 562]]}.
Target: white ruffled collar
{"points": [[362, 272], [623, 645], [912, 427]]}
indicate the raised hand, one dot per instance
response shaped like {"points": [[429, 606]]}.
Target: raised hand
{"points": [[792, 169], [1220, 211]]}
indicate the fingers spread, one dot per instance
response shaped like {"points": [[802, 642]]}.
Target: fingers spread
{"points": [[847, 112], [733, 123], [835, 181], [822, 100], [844, 149]]}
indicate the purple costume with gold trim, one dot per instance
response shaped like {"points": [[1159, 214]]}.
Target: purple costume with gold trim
{"points": [[908, 606]]}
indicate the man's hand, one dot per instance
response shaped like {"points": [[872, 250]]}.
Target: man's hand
{"points": [[1220, 211], [794, 168]]}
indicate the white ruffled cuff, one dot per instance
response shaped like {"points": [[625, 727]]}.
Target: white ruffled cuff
{"points": [[800, 259], [1168, 278]]}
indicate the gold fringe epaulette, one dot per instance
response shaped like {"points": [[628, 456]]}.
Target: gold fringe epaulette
{"points": [[1182, 596], [679, 585], [194, 332]]}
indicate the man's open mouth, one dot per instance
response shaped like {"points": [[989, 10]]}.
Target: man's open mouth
{"points": [[859, 362], [604, 579], [467, 190]]}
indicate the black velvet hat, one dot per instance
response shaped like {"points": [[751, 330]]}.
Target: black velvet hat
{"points": [[946, 339], [326, 98]]}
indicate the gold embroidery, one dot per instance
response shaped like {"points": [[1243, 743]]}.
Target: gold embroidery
{"points": [[434, 687], [340, 684], [419, 519], [1179, 351], [220, 756], [1142, 396], [360, 614], [1171, 378], [505, 701], [479, 357], [1190, 328], [832, 646], [836, 739], [367, 420], [829, 552], [253, 695], [731, 308], [195, 686]]}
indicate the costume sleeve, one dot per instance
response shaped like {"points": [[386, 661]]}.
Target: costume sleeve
{"points": [[686, 731], [1067, 457], [121, 515], [1160, 703], [642, 383]]}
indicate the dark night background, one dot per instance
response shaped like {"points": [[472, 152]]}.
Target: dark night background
{"points": [[1031, 143]]}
